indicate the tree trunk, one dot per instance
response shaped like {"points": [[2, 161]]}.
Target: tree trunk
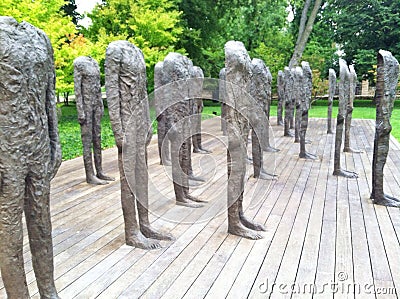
{"points": [[303, 37]]}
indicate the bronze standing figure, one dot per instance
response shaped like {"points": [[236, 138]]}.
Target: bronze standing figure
{"points": [[238, 76], [344, 89], [128, 107], [385, 96], [30, 155], [89, 104], [332, 90], [281, 96]]}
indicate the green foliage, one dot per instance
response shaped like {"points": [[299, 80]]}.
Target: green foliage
{"points": [[153, 26], [362, 27], [49, 16], [70, 132]]}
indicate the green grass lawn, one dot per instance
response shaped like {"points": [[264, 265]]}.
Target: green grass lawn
{"points": [[70, 134]]}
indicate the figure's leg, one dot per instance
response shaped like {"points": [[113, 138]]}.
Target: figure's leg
{"points": [[198, 136], [337, 170], [292, 106], [179, 177], [186, 156], [223, 119], [133, 236], [347, 147], [329, 131], [87, 137], [12, 189], [297, 124], [97, 147], [303, 130], [236, 158], [380, 197], [38, 222], [257, 161], [286, 131], [280, 106], [142, 200]]}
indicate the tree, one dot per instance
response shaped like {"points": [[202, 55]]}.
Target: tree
{"points": [[69, 9], [306, 25], [153, 26], [49, 16], [362, 27]]}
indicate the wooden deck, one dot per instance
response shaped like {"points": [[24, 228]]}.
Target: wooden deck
{"points": [[324, 237]]}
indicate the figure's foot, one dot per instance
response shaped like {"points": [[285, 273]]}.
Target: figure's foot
{"points": [[296, 140], [266, 176], [307, 156], [102, 176], [188, 203], [240, 230], [329, 132], [351, 150], [289, 134], [166, 163], [386, 200], [196, 178], [140, 241], [94, 180], [51, 295], [201, 151], [271, 149], [192, 198], [345, 173], [252, 224], [150, 232]]}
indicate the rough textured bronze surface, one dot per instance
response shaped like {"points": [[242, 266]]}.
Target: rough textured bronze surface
{"points": [[349, 110], [30, 154], [163, 123], [177, 73], [89, 104], [195, 90], [332, 90], [222, 96], [281, 96], [305, 103], [344, 89], [238, 75], [260, 90], [385, 96], [128, 107], [289, 83]]}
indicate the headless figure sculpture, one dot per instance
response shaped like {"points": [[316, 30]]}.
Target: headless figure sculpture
{"points": [[238, 76], [30, 155], [196, 88], [332, 89], [385, 96], [126, 92], [163, 124], [299, 94], [281, 96], [177, 73], [344, 88], [349, 111], [305, 102], [89, 104], [222, 99], [289, 82], [260, 90]]}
